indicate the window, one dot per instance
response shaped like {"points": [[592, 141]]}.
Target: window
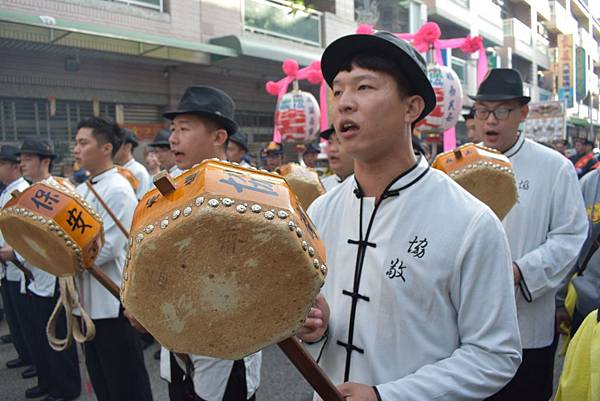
{"points": [[460, 68], [153, 4]]}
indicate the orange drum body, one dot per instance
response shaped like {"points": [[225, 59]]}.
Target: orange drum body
{"points": [[53, 228], [129, 177], [304, 182], [484, 172], [223, 263]]}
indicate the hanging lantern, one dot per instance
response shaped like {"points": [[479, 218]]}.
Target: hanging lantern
{"points": [[448, 93], [298, 117]]}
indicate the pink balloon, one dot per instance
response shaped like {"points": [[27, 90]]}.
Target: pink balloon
{"points": [[272, 88], [290, 67]]}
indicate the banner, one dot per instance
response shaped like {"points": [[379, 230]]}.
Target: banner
{"points": [[546, 121]]}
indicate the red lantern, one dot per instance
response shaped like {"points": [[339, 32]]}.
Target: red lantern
{"points": [[448, 93], [298, 117]]}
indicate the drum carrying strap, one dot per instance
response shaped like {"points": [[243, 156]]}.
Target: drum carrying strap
{"points": [[68, 300]]}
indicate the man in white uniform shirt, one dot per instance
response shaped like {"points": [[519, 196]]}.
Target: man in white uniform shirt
{"points": [[58, 372], [124, 158], [340, 163], [114, 357], [545, 229], [16, 304], [200, 128], [417, 304]]}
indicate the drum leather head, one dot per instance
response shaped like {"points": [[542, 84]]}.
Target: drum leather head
{"points": [[225, 265], [303, 181], [52, 228], [484, 173]]}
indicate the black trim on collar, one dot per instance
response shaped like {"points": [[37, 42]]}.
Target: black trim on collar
{"points": [[99, 174], [516, 147], [394, 192]]}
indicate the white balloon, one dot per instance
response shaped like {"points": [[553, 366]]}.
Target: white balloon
{"points": [[449, 95]]}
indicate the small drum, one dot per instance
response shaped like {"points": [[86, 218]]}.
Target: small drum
{"points": [[304, 182], [223, 261], [129, 176], [484, 172], [53, 228]]}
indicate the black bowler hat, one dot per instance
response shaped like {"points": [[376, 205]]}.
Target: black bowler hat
{"points": [[240, 139], [501, 84], [327, 133], [161, 140], [130, 137], [209, 102], [312, 148], [9, 153], [37, 146], [337, 55]]}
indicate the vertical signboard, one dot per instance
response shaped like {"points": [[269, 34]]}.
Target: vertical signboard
{"points": [[564, 68], [580, 65]]}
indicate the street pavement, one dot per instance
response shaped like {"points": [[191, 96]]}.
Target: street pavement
{"points": [[280, 380]]}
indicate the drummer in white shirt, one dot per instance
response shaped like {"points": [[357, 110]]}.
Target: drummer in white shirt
{"points": [[545, 229], [418, 303], [114, 356], [58, 372]]}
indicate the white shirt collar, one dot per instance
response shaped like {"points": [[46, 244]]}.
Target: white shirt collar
{"points": [[10, 187], [99, 177], [404, 180], [513, 150]]}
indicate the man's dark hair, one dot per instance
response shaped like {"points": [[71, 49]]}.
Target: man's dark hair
{"points": [[372, 61], [105, 131]]}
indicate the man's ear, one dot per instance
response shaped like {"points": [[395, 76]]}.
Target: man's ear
{"points": [[524, 112], [107, 149], [220, 137], [414, 107]]}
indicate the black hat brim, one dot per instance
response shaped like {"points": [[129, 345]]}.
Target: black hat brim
{"points": [[230, 126], [327, 133], [496, 98], [36, 152], [242, 145], [337, 54], [161, 144], [11, 159]]}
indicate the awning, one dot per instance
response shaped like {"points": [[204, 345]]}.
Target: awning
{"points": [[581, 122], [268, 48], [57, 31]]}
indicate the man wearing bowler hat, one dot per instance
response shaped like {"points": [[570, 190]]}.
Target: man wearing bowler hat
{"points": [[164, 154], [200, 127], [237, 148], [124, 158], [545, 229], [400, 314], [58, 372], [15, 303], [340, 164]]}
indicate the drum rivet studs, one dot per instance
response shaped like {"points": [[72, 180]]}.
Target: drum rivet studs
{"points": [[125, 275], [199, 201], [269, 215], [213, 202], [241, 208], [323, 269], [69, 244], [227, 202], [164, 224], [292, 226], [299, 232], [149, 228], [256, 208], [187, 211], [282, 214], [316, 263], [305, 245], [176, 214], [139, 237], [311, 251]]}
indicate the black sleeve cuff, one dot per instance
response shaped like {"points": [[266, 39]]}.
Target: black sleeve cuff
{"points": [[377, 393], [523, 286]]}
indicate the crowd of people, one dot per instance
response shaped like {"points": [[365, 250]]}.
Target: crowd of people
{"points": [[429, 295]]}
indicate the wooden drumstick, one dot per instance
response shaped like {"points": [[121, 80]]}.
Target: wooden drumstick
{"points": [[311, 371], [108, 210]]}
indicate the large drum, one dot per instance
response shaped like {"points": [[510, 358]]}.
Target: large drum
{"points": [[53, 228], [484, 172], [303, 181], [222, 261]]}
